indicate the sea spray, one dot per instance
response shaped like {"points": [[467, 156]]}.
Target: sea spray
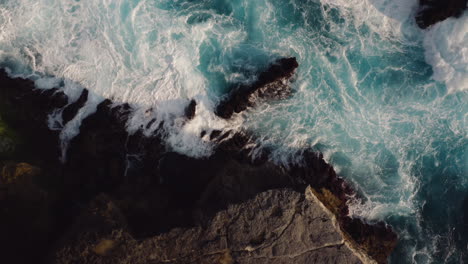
{"points": [[446, 50], [383, 100]]}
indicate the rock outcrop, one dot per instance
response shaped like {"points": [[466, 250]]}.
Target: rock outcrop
{"points": [[271, 84], [433, 11], [25, 213], [155, 191], [190, 109], [276, 226]]}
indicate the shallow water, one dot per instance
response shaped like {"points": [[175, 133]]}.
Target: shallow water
{"points": [[383, 100]]}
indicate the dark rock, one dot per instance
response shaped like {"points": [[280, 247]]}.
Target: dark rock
{"points": [[7, 145], [92, 228], [26, 111], [71, 110], [202, 134], [150, 123], [271, 84], [96, 156], [9, 141], [376, 240], [190, 110], [250, 232], [433, 11], [319, 174], [156, 190], [215, 134], [24, 213]]}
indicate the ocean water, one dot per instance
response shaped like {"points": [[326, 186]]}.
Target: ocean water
{"points": [[383, 100]]}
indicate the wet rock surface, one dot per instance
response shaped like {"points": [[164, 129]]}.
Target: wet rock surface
{"points": [[433, 11], [271, 84], [158, 194], [190, 109], [72, 109]]}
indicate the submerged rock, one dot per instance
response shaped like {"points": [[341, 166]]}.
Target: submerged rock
{"points": [[433, 11], [271, 84]]}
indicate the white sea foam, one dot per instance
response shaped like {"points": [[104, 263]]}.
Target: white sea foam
{"points": [[447, 51], [335, 111], [128, 51], [383, 16], [47, 83], [363, 92]]}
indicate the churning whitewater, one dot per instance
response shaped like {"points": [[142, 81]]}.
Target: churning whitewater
{"points": [[383, 100]]}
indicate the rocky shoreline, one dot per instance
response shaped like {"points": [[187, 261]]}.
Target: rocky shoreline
{"points": [[121, 198], [130, 190]]}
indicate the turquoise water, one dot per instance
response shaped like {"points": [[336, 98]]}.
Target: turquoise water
{"points": [[384, 101]]}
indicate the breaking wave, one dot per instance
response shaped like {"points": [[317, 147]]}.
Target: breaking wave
{"points": [[383, 100]]}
